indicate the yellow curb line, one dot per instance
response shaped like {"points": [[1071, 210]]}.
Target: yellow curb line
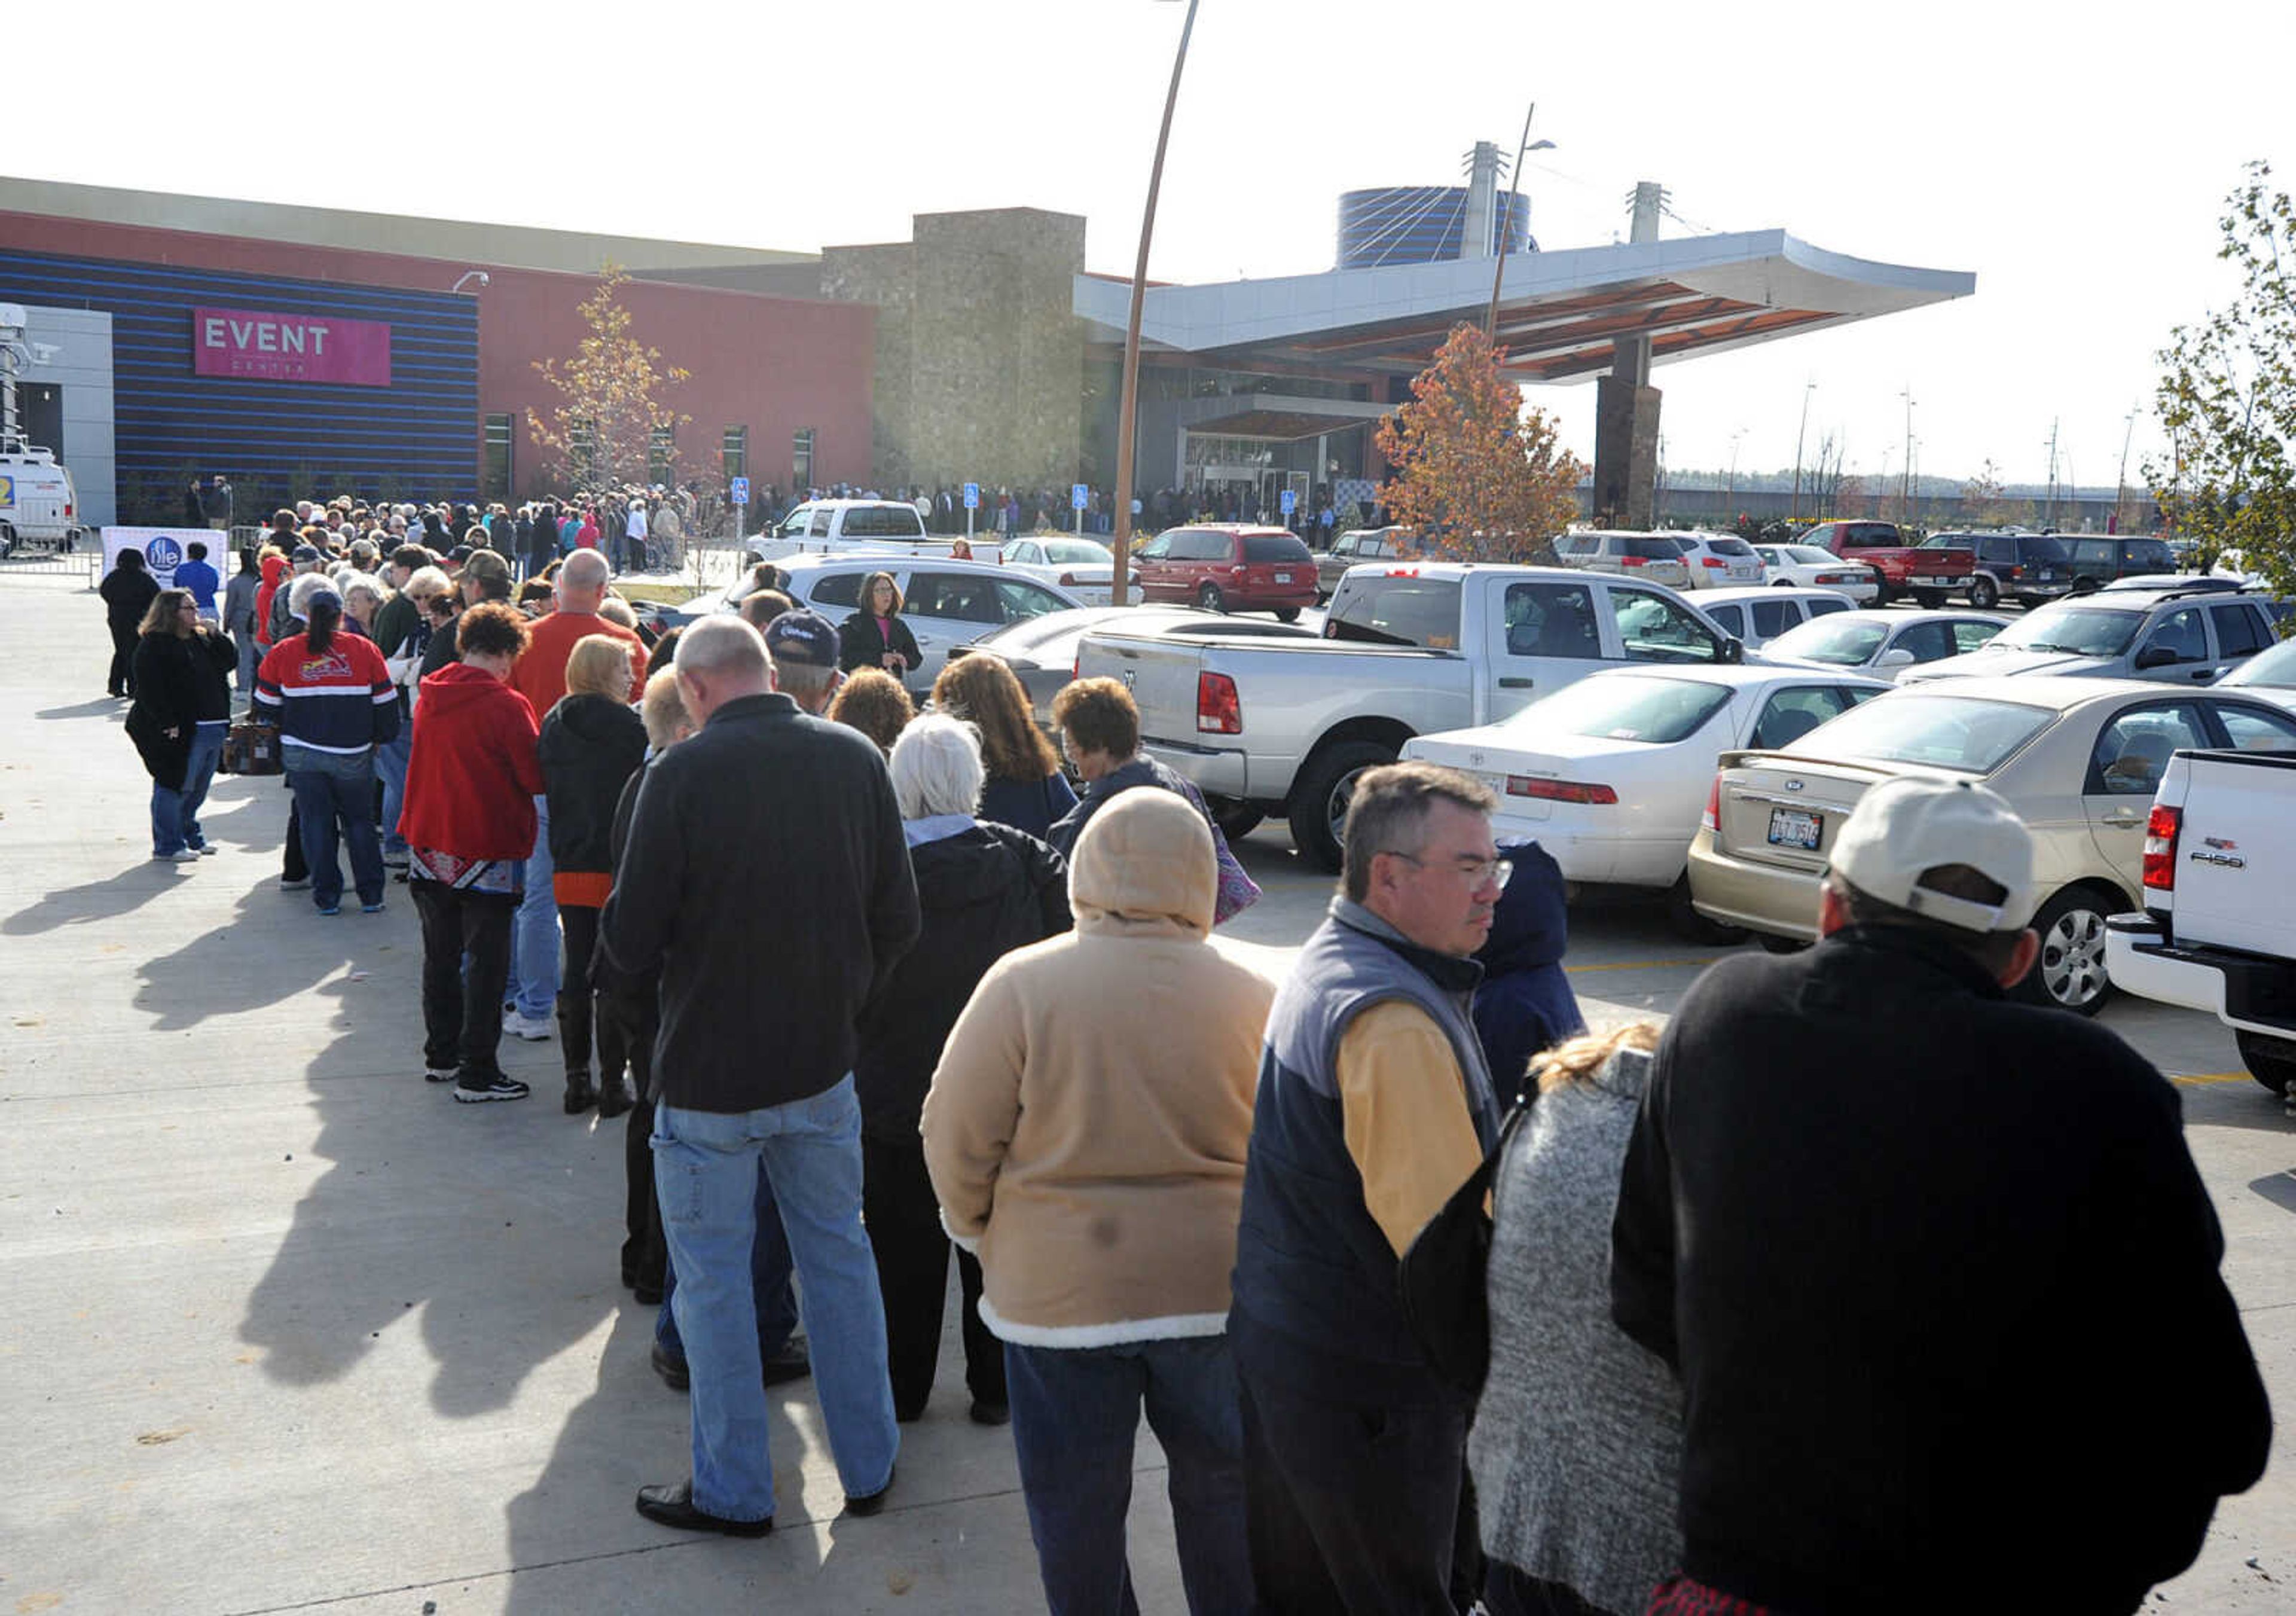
{"points": [[2213, 1077]]}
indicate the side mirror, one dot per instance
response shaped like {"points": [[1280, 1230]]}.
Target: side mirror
{"points": [[1898, 656], [1734, 650], [2157, 656]]}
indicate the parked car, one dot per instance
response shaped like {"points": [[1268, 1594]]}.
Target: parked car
{"points": [[2215, 932], [1928, 576], [2077, 758], [846, 524], [1084, 568], [1360, 545], [2181, 635], [945, 602], [1608, 774], [1807, 567], [1757, 616], [1653, 557], [2269, 675], [1224, 568], [1884, 643], [1042, 650], [1285, 726], [1718, 561], [2028, 568], [2101, 559]]}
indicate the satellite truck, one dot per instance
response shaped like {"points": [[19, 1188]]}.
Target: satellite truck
{"points": [[39, 507]]}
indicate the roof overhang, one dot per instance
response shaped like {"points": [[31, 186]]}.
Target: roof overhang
{"points": [[1562, 315]]}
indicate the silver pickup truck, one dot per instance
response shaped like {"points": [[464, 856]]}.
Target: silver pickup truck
{"points": [[1409, 648]]}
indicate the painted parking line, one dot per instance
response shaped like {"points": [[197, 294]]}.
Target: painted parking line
{"points": [[1642, 965], [2213, 1076]]}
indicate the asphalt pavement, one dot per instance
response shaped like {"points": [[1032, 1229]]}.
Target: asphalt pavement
{"points": [[290, 1329]]}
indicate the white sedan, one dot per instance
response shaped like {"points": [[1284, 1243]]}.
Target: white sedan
{"points": [[1884, 643], [1086, 569], [1609, 773], [1811, 568]]}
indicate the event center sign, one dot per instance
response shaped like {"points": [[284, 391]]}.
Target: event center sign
{"points": [[290, 348]]}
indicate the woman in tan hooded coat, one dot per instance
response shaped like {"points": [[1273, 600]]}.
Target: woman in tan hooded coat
{"points": [[1085, 1132]]}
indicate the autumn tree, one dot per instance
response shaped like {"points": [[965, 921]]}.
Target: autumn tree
{"points": [[2226, 397], [610, 427], [1983, 501], [1476, 469]]}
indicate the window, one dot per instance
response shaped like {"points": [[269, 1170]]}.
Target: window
{"points": [[2087, 631], [1021, 601], [1203, 546], [1846, 644], [794, 525], [1653, 629], [2133, 750], [1772, 618], [2181, 635], [817, 526], [837, 589], [1024, 553], [1652, 549], [2150, 556], [882, 522], [1156, 549], [1737, 549], [1826, 607], [1397, 611], [1577, 544], [956, 595], [1791, 713], [2251, 729], [1730, 619], [1968, 635], [1275, 547], [1928, 642], [1994, 552], [494, 463], [1967, 734], [661, 450], [733, 452], [801, 458], [1866, 535], [2241, 629], [2093, 553], [1630, 706], [1550, 621]]}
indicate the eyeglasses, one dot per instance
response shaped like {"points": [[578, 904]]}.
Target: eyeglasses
{"points": [[1499, 872]]}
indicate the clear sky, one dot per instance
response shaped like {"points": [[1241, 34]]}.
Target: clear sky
{"points": [[2074, 160]]}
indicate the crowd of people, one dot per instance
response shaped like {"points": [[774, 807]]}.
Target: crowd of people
{"points": [[1851, 1289]]}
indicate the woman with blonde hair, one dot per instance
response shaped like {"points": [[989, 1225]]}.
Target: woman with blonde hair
{"points": [[874, 703], [1576, 1445], [592, 742], [1025, 788]]}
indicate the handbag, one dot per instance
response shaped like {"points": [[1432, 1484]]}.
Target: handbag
{"points": [[251, 749], [1441, 1276]]}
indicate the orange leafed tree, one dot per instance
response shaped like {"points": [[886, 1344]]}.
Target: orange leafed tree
{"points": [[1476, 471]]}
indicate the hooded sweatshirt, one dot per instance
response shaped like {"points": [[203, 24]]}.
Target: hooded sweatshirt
{"points": [[472, 777], [274, 569], [1085, 1129], [591, 745], [1525, 1004]]}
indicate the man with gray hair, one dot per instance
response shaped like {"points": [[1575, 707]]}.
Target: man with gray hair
{"points": [[1374, 1106], [825, 894]]}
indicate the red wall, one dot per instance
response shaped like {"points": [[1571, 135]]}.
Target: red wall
{"points": [[773, 365]]}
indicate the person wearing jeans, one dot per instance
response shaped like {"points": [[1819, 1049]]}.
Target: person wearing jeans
{"points": [[334, 799], [771, 1269], [182, 710], [334, 701], [1085, 1132]]}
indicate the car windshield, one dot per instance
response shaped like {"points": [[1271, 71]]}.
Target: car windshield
{"points": [[2087, 631], [1810, 555], [1081, 551], [1625, 706], [1730, 546], [1403, 609], [2274, 669], [1963, 733], [1844, 644]]}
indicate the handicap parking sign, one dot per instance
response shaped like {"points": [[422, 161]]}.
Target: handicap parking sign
{"points": [[741, 491], [1290, 501], [972, 497], [1079, 495]]}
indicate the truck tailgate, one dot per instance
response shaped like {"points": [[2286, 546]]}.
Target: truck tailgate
{"points": [[1159, 673], [2235, 861]]}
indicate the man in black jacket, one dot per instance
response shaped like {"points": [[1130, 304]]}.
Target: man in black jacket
{"points": [[767, 879], [1935, 1268]]}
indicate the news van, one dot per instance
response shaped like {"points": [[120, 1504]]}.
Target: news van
{"points": [[38, 504]]}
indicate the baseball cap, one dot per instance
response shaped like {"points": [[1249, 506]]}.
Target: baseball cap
{"points": [[802, 636], [1903, 828], [305, 553]]}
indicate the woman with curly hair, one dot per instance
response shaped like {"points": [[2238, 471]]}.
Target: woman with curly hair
{"points": [[874, 702], [1025, 788]]}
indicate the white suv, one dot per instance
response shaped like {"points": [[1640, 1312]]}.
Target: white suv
{"points": [[1718, 561], [1653, 557], [944, 603]]}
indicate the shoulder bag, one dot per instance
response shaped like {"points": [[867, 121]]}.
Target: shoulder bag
{"points": [[1441, 1276]]}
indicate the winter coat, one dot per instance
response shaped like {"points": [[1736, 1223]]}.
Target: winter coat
{"points": [[473, 776], [589, 747], [128, 594], [1085, 1129], [984, 892], [1525, 1004], [860, 645], [1034, 806], [274, 579], [1237, 891], [238, 603]]}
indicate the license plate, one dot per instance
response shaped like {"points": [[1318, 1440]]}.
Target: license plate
{"points": [[1938, 583], [1793, 828], [1284, 578]]}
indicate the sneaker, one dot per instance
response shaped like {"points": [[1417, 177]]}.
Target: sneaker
{"points": [[395, 861], [440, 1074], [534, 1029], [330, 908], [869, 1503], [372, 908], [471, 1091], [180, 856], [207, 850], [286, 885]]}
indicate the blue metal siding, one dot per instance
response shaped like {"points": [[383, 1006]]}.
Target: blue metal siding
{"points": [[420, 433]]}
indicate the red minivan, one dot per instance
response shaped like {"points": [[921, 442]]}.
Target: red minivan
{"points": [[1227, 567]]}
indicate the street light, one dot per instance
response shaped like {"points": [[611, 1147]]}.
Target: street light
{"points": [[1119, 590], [467, 277], [1506, 222], [1799, 433]]}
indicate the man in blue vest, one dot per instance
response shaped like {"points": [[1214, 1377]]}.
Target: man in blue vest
{"points": [[1374, 1106]]}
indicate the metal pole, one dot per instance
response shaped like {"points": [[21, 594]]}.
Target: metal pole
{"points": [[1801, 432], [2120, 478], [1506, 229], [1119, 588]]}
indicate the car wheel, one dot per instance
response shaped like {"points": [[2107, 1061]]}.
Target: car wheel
{"points": [[1320, 799], [1784, 583], [1235, 817], [1693, 927], [1210, 598], [1984, 594], [1287, 614], [1928, 599], [2069, 974], [2271, 1061]]}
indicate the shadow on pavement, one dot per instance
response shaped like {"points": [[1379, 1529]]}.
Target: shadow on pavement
{"points": [[114, 706], [96, 901]]}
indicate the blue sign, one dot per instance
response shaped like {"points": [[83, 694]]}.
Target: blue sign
{"points": [[164, 553], [741, 491], [972, 497], [1290, 501], [1079, 495]]}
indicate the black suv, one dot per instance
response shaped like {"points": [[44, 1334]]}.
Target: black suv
{"points": [[2101, 561], [2029, 568]]}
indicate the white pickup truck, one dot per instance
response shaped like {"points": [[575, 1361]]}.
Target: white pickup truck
{"points": [[1285, 726], [2217, 931]]}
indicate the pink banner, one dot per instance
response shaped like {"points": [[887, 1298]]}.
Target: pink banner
{"points": [[290, 348]]}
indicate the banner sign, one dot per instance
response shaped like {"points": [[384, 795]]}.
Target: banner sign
{"points": [[271, 346], [165, 549]]}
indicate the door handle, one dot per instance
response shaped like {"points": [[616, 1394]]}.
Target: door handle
{"points": [[2126, 819], [1516, 683], [2203, 674]]}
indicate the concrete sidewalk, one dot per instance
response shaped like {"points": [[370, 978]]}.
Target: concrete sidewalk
{"points": [[287, 1326]]}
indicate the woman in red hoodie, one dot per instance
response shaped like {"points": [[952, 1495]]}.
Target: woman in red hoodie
{"points": [[468, 823], [274, 573]]}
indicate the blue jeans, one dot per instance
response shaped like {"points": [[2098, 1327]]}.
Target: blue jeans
{"points": [[251, 657], [390, 762], [1075, 1411], [770, 1268], [176, 812], [335, 795], [706, 1166], [534, 976]]}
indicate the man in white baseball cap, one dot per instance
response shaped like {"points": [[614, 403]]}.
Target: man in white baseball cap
{"points": [[1918, 1254]]}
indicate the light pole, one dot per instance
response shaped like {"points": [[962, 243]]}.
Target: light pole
{"points": [[1730, 493], [1119, 588], [1906, 492], [2120, 478], [1799, 433], [1507, 223]]}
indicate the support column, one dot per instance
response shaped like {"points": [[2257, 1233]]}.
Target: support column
{"points": [[1627, 409]]}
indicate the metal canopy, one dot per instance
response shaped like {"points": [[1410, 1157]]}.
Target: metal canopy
{"points": [[1562, 315]]}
